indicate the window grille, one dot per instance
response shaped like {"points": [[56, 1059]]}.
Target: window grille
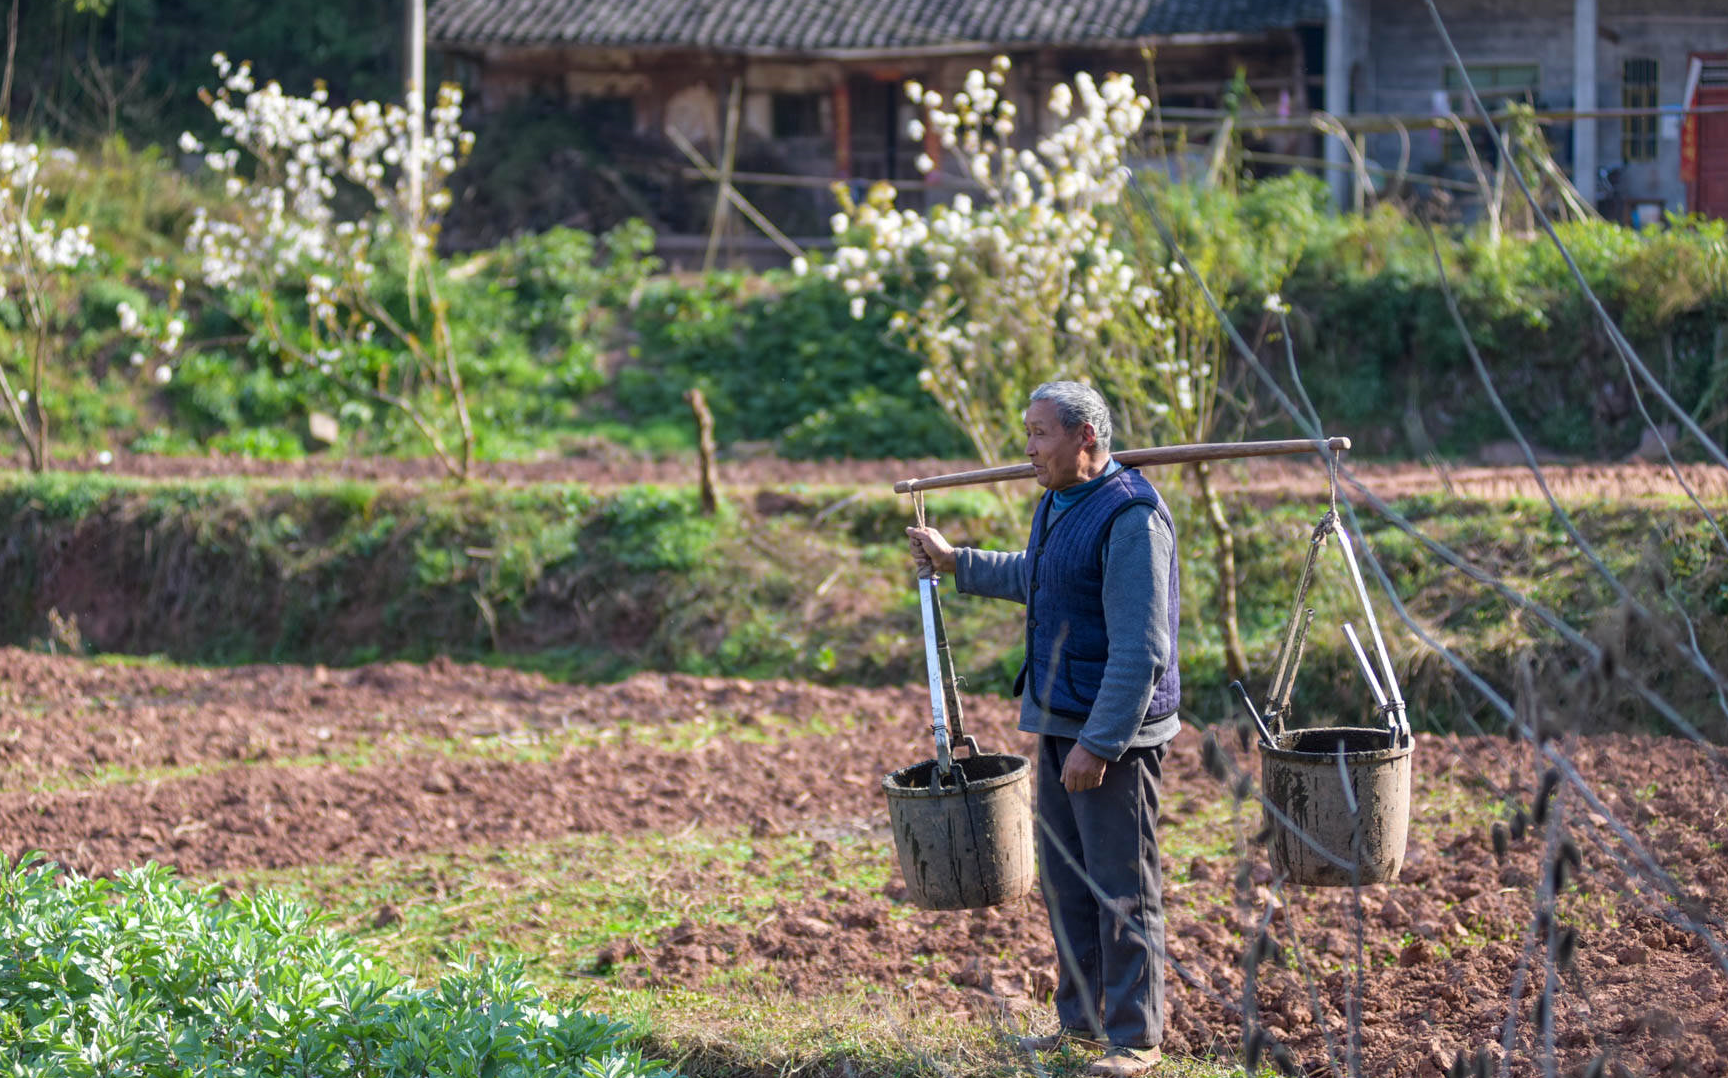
{"points": [[1497, 85], [1639, 89]]}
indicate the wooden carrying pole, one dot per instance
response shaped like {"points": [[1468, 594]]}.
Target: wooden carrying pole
{"points": [[1132, 458]]}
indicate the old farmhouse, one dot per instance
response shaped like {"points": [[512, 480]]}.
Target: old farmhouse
{"points": [[814, 87]]}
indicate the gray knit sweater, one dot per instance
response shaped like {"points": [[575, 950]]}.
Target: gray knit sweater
{"points": [[1136, 553]]}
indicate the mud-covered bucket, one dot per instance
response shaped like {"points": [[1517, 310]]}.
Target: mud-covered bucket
{"points": [[1325, 833], [968, 843]]}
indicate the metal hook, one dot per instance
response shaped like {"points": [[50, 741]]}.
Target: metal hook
{"points": [[1332, 481]]}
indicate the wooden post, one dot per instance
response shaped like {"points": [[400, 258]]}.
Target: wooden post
{"points": [[706, 171], [933, 145], [1359, 200], [705, 450], [728, 157], [416, 95]]}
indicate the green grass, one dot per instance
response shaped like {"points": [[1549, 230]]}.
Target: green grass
{"points": [[553, 906]]}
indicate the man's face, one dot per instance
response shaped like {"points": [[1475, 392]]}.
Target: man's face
{"points": [[1056, 454]]}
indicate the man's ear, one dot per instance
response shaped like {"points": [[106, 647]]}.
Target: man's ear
{"points": [[1088, 436]]}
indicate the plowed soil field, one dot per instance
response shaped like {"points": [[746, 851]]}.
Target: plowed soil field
{"points": [[219, 771]]}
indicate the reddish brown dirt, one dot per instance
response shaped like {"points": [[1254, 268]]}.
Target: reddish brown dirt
{"points": [[1444, 946], [62, 721], [1271, 477]]}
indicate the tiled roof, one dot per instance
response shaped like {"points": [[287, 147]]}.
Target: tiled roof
{"points": [[823, 25]]}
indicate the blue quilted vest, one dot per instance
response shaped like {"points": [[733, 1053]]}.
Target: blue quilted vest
{"points": [[1064, 577]]}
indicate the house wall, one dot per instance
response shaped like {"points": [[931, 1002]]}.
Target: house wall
{"points": [[852, 121], [690, 88], [1405, 68]]}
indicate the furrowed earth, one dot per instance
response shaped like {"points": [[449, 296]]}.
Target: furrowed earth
{"points": [[225, 772]]}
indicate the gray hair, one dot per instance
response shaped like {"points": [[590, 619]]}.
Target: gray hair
{"points": [[1077, 403]]}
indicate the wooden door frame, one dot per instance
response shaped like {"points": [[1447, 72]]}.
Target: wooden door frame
{"points": [[1693, 185]]}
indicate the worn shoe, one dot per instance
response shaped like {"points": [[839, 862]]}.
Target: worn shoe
{"points": [[1122, 1062], [1049, 1042]]}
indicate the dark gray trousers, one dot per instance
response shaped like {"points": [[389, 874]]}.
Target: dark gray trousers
{"points": [[1109, 932]]}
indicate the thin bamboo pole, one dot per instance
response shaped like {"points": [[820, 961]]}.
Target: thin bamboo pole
{"points": [[1133, 458], [728, 157], [757, 218]]}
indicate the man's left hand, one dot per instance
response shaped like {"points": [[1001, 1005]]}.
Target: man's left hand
{"points": [[1083, 770]]}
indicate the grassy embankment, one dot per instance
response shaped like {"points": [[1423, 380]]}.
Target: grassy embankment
{"points": [[590, 585]]}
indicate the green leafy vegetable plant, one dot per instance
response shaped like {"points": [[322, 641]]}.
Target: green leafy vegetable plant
{"points": [[144, 975]]}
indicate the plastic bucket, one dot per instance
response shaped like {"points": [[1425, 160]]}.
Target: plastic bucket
{"points": [[969, 844], [1315, 839]]}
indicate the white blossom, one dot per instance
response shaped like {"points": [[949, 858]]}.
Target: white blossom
{"points": [[1033, 248], [290, 226]]}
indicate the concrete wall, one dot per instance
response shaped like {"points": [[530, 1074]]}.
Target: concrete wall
{"points": [[1669, 40], [1406, 67]]}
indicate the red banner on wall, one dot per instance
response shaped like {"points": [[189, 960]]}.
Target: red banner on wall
{"points": [[1689, 123], [1689, 148]]}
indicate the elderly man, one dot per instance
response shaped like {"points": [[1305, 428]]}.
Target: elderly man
{"points": [[1100, 687]]}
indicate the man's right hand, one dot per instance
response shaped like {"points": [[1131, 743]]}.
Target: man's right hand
{"points": [[933, 553]]}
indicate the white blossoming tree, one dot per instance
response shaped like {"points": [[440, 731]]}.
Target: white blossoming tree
{"points": [[326, 204], [1167, 381], [1050, 274], [37, 256], [1016, 285]]}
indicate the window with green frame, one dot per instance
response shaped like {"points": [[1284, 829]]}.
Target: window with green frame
{"points": [[1496, 84], [1639, 89]]}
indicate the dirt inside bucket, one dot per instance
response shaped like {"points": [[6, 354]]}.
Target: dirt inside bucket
{"points": [[973, 769], [1323, 740]]}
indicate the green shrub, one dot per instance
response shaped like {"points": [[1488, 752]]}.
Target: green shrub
{"points": [[648, 528], [1382, 357], [530, 320], [780, 358], [259, 443], [144, 975]]}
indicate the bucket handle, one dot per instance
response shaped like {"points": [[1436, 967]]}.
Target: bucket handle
{"points": [[950, 680], [1387, 697], [935, 674], [1266, 737], [947, 724], [1392, 707], [947, 716]]}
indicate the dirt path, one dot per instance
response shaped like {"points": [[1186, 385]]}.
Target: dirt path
{"points": [[1444, 947], [1262, 477]]}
